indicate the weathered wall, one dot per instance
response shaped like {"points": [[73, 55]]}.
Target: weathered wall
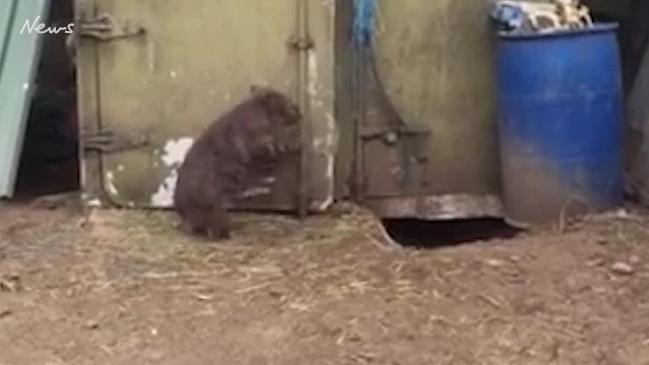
{"points": [[433, 152], [194, 63]]}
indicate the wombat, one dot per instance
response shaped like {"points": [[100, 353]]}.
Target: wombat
{"points": [[254, 135]]}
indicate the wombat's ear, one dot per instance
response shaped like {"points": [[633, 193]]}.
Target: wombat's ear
{"points": [[258, 90]]}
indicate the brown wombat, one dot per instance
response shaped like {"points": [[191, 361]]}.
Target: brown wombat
{"points": [[254, 135]]}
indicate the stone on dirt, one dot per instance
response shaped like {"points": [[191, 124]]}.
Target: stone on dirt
{"points": [[622, 268]]}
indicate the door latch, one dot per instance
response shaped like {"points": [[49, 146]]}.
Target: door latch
{"points": [[301, 44], [106, 28]]}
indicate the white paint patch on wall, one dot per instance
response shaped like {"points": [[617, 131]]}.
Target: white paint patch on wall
{"points": [[173, 155], [176, 150], [110, 184], [164, 196], [333, 136], [312, 87], [326, 148], [324, 132]]}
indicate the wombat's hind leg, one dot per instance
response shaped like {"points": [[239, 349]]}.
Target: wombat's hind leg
{"points": [[194, 221], [217, 234], [219, 225], [186, 227]]}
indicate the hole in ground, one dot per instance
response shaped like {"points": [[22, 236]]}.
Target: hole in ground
{"points": [[434, 234]]}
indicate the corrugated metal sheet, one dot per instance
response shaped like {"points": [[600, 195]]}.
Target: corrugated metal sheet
{"points": [[18, 60]]}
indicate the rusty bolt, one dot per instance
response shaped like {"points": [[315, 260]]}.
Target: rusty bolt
{"points": [[391, 138]]}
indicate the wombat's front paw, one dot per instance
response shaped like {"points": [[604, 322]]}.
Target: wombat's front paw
{"points": [[218, 234]]}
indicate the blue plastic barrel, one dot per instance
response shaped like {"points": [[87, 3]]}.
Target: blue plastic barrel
{"points": [[561, 133]]}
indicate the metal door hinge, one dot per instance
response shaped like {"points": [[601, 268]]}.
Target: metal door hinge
{"points": [[301, 44], [106, 28], [111, 142]]}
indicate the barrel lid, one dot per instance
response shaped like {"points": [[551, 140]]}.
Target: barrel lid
{"points": [[596, 28]]}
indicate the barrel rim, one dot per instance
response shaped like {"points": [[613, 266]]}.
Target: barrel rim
{"points": [[596, 28]]}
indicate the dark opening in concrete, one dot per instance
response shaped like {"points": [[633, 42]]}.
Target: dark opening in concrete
{"points": [[434, 234]]}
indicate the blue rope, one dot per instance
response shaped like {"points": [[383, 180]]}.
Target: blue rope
{"points": [[364, 21]]}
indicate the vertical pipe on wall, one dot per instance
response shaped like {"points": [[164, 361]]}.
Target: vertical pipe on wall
{"points": [[359, 115], [303, 101], [364, 12]]}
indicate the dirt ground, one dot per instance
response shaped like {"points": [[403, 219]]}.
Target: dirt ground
{"points": [[126, 288]]}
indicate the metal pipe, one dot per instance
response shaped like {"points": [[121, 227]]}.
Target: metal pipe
{"points": [[359, 107], [303, 101]]}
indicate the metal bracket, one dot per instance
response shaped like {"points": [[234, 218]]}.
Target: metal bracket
{"points": [[110, 142], [418, 135], [413, 140], [392, 135], [106, 28]]}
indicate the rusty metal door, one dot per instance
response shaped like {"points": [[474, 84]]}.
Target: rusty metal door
{"points": [[153, 74], [426, 132]]}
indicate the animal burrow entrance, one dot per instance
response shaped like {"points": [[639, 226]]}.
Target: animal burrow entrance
{"points": [[436, 234]]}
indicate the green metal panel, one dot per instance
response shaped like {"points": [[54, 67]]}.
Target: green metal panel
{"points": [[437, 68], [434, 59], [195, 60], [18, 61]]}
